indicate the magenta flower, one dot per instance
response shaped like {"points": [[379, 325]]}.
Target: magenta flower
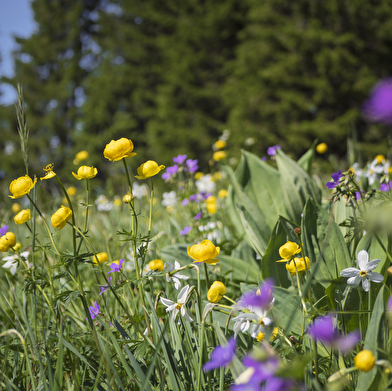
{"points": [[335, 176], [115, 267], [95, 310], [378, 108], [272, 150], [179, 159], [221, 356], [185, 231]]}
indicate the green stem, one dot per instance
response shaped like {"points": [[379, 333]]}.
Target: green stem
{"points": [[200, 356]]}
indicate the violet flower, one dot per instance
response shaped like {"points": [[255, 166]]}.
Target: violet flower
{"points": [[106, 287], [95, 310], [193, 197], [335, 176], [385, 186], [254, 299], [115, 267], [191, 165], [272, 150], [378, 108], [185, 202], [3, 230], [221, 356], [185, 231], [179, 159], [198, 216]]}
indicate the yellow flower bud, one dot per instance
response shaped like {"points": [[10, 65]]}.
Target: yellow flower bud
{"points": [[16, 207], [23, 216], [219, 155], [119, 149], [60, 217], [204, 252], [100, 257], [148, 169], [220, 144], [299, 263], [7, 241], [127, 198], [82, 155], [222, 193], [216, 291], [156, 264], [364, 361], [49, 172], [322, 148], [21, 186], [17, 246], [85, 172], [288, 250]]}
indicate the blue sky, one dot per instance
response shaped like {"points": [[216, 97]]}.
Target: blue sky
{"points": [[16, 18]]}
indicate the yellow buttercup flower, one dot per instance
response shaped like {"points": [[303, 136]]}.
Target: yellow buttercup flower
{"points": [[60, 217], [199, 175], [211, 204], [288, 250], [119, 149], [300, 264], [364, 360], [16, 207], [17, 246], [222, 193], [72, 191], [156, 264], [379, 159], [220, 144], [148, 169], [85, 172], [216, 292], [117, 201], [21, 186], [7, 241], [218, 176], [23, 216], [100, 257], [322, 148], [204, 252], [49, 172], [82, 155], [219, 155]]}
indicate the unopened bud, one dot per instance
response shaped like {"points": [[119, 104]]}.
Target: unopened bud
{"points": [[127, 199], [389, 271], [297, 231]]}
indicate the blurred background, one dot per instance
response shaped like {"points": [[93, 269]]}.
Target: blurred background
{"points": [[172, 75]]}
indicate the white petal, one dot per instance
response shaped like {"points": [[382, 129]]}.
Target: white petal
{"points": [[185, 314], [181, 298], [174, 314], [349, 272], [372, 264], [177, 283], [267, 321], [24, 254], [354, 281], [13, 268], [375, 277], [176, 265], [10, 258], [167, 302], [245, 326], [181, 276], [365, 284], [363, 259]]}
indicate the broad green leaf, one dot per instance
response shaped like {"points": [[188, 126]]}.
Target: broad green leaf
{"points": [[306, 160]]}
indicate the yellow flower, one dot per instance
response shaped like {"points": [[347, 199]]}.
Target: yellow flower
{"points": [[82, 155], [117, 201], [148, 169], [220, 144], [322, 148], [60, 217], [72, 191], [288, 250], [17, 246], [199, 175], [260, 336], [156, 264], [219, 155], [127, 199], [216, 291], [364, 360], [218, 176], [7, 241], [300, 263], [222, 193], [85, 172], [49, 172], [204, 252], [380, 159], [100, 257], [211, 204], [21, 186], [119, 149], [16, 207], [23, 216]]}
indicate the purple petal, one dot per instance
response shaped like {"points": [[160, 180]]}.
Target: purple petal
{"points": [[378, 108], [262, 300], [198, 216], [263, 370], [221, 356], [3, 230], [323, 329], [179, 159], [185, 202], [348, 342], [185, 231]]}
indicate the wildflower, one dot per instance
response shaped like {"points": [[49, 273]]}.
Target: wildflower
{"points": [[222, 193], [3, 230], [180, 159], [262, 298], [219, 155], [199, 175], [298, 265], [335, 176], [60, 217], [21, 186], [323, 329], [322, 148], [156, 265], [95, 310], [176, 277], [7, 241], [16, 207], [377, 167], [116, 266], [119, 149], [191, 165], [82, 155], [49, 172], [106, 287], [85, 172], [103, 204], [206, 184], [139, 191], [364, 361], [204, 252], [23, 216], [170, 171], [100, 257], [198, 216], [221, 356], [148, 169], [169, 198], [364, 273], [220, 144], [211, 204], [288, 250], [216, 292], [72, 191], [11, 262], [185, 231], [378, 108], [386, 186], [179, 306], [271, 151]]}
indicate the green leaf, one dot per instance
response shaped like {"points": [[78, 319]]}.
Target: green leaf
{"points": [[306, 160]]}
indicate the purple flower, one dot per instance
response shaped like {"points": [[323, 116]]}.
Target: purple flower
{"points": [[95, 310], [179, 159], [191, 165], [260, 300], [115, 267], [264, 158], [272, 150], [193, 197], [172, 169], [323, 329], [378, 108], [204, 195], [335, 176], [389, 305], [185, 231], [166, 176], [198, 216], [3, 230], [185, 202], [385, 186], [106, 287], [278, 384], [263, 370], [221, 356]]}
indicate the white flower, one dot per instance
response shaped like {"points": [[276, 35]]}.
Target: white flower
{"points": [[205, 184], [12, 261], [103, 204], [175, 308], [176, 277], [169, 198], [256, 316], [139, 191], [364, 273], [376, 168]]}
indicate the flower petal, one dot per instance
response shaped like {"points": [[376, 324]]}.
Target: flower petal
{"points": [[375, 277], [363, 259], [349, 272], [167, 302], [365, 284], [181, 298], [372, 264], [354, 281]]}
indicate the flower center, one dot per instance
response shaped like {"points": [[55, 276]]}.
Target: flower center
{"points": [[261, 322], [362, 273], [178, 306]]}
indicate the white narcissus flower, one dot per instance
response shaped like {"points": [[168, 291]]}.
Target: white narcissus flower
{"points": [[175, 308], [176, 277], [257, 316], [11, 261], [364, 273]]}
